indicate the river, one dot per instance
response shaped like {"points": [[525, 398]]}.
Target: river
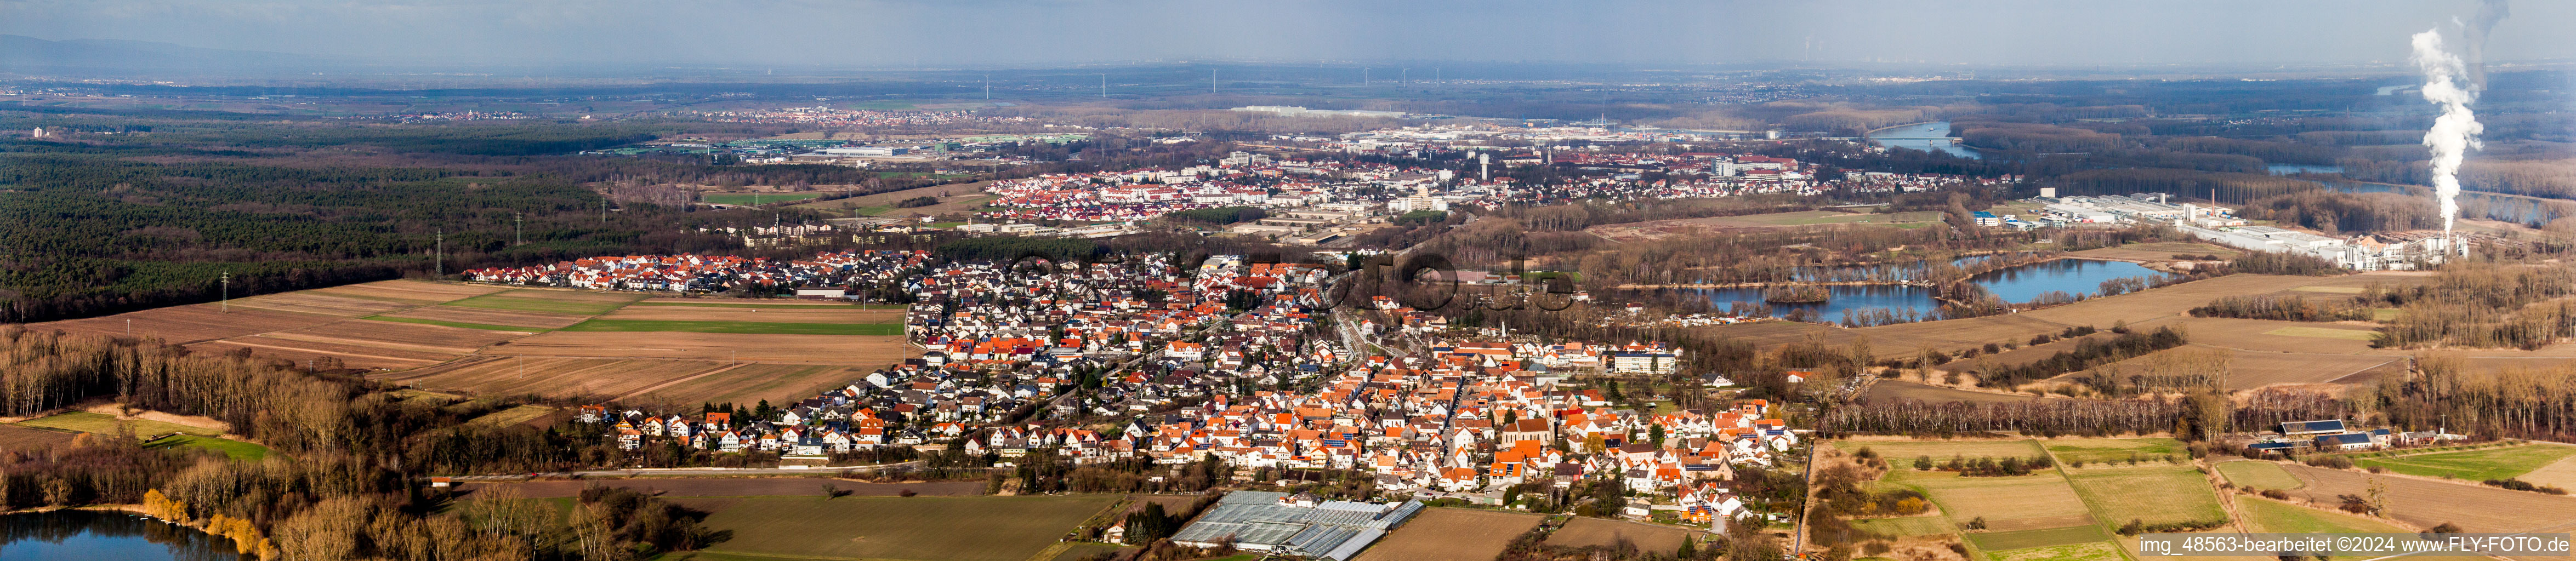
{"points": [[2018, 284], [66, 535], [1914, 136]]}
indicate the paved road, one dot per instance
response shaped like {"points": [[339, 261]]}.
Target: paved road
{"points": [[686, 472]]}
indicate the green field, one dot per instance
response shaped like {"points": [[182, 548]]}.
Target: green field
{"points": [[547, 301], [2120, 450], [755, 198], [2266, 515], [2474, 465], [779, 306], [739, 327], [2117, 450], [238, 450], [2324, 333], [2039, 495], [2259, 475], [2096, 551], [1908, 525], [84, 421], [2161, 494], [482, 326], [2000, 541], [906, 528]]}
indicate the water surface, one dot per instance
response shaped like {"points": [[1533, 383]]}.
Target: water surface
{"points": [[1898, 137], [2022, 284], [67, 535]]}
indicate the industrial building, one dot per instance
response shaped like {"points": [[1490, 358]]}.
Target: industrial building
{"points": [[1300, 525]]}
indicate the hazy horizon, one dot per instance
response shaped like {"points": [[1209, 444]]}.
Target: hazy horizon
{"points": [[1040, 32]]}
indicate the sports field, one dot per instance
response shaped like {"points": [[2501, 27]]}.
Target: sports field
{"points": [[904, 528], [1452, 534], [2258, 474], [2474, 465]]}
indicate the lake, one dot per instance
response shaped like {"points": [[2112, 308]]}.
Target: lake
{"points": [[2018, 284], [66, 535], [2072, 276], [1913, 136]]}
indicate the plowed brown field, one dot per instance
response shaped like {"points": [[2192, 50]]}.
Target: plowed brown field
{"points": [[553, 377], [420, 292], [189, 324], [813, 349], [1452, 534], [312, 302]]}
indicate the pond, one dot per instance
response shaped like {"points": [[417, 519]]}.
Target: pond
{"points": [[87, 535], [2018, 284], [1929, 137], [2072, 276]]}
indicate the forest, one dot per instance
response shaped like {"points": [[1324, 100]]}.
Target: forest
{"points": [[341, 487], [154, 217]]}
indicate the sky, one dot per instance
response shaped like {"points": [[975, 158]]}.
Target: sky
{"points": [[998, 33]]}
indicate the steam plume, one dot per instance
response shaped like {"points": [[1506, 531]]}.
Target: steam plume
{"points": [[2456, 130], [2474, 35]]}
